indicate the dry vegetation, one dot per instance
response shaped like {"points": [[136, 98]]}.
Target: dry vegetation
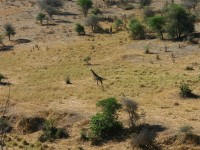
{"points": [[37, 71]]}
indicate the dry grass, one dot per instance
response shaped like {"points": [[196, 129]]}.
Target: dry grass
{"points": [[38, 77]]}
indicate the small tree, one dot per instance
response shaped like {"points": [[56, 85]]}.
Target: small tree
{"points": [[131, 108], [157, 23], [93, 22], [40, 17], [51, 6], [104, 124], [179, 21], [80, 29], [85, 5], [9, 30], [136, 29]]}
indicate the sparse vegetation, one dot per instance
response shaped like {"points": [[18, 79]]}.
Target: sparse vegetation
{"points": [[50, 132]]}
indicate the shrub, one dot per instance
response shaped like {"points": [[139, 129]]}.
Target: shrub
{"points": [[157, 23], [10, 30], [105, 124], [117, 24], [144, 139], [136, 29], [93, 22], [2, 77], [185, 91], [179, 21], [51, 6], [80, 29], [1, 39], [85, 5], [50, 132], [131, 108], [96, 11], [40, 17]]}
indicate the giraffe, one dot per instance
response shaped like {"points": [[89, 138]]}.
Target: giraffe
{"points": [[97, 77]]}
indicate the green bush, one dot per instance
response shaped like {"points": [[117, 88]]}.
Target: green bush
{"points": [[85, 5], [80, 29], [185, 91], [50, 132], [179, 21], [105, 124], [136, 29]]}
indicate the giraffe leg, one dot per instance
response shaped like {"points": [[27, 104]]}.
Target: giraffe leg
{"points": [[97, 83]]}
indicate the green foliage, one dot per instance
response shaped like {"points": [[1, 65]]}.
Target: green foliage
{"points": [[85, 5], [96, 11], [51, 6], [185, 91], [105, 124], [117, 24], [80, 29], [136, 29], [179, 21], [157, 23], [9, 30], [40, 17], [109, 106], [50, 132]]}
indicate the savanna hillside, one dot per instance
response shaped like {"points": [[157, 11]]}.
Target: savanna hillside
{"points": [[39, 58]]}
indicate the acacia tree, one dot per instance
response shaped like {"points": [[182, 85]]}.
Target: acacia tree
{"points": [[179, 21], [40, 17], [9, 30], [85, 6], [157, 23], [51, 6], [136, 29]]}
